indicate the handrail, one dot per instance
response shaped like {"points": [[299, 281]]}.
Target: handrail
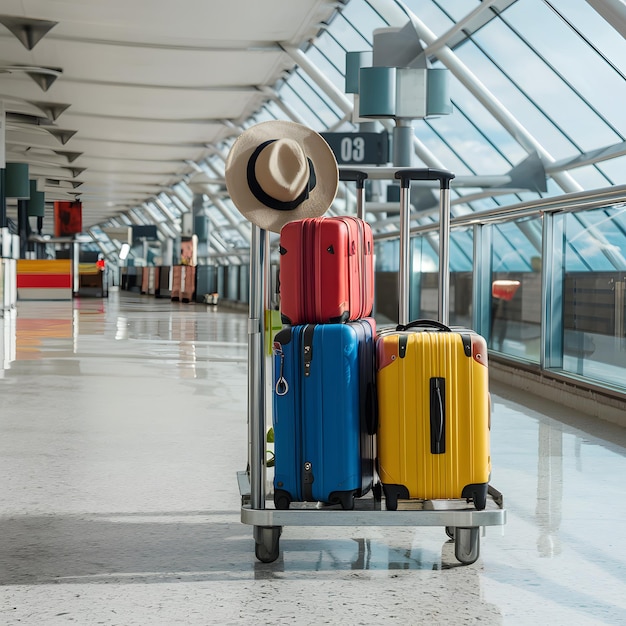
{"points": [[578, 201]]}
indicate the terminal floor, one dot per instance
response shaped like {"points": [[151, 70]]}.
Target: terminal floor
{"points": [[122, 427]]}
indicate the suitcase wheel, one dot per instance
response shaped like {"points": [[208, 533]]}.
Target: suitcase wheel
{"points": [[392, 494], [345, 498], [476, 493], [480, 502], [377, 490], [282, 499]]}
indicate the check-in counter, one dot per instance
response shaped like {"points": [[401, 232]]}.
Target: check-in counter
{"points": [[91, 281], [49, 279], [149, 279], [183, 283], [163, 288]]}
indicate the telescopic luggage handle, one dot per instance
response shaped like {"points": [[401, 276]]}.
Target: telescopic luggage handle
{"points": [[359, 178], [405, 176]]}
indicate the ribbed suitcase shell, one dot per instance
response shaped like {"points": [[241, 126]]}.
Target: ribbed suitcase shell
{"points": [[324, 420], [408, 418], [326, 270]]}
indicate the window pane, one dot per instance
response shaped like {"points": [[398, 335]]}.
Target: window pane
{"points": [[583, 67], [594, 309], [516, 289]]}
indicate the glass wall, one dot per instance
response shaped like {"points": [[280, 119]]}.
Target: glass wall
{"points": [[594, 339], [515, 307], [516, 96], [582, 293]]}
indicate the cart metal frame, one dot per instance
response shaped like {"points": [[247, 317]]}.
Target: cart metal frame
{"points": [[462, 521]]}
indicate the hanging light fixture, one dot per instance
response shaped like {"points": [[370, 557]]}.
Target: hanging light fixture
{"points": [[37, 203], [16, 181], [43, 76], [28, 30]]}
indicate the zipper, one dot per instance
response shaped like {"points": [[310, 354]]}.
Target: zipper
{"points": [[361, 262], [305, 300], [301, 303], [344, 221], [317, 274], [359, 251], [313, 303], [305, 357], [299, 377]]}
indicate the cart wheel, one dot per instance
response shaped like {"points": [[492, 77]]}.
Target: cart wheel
{"points": [[450, 532], [267, 547], [467, 544]]}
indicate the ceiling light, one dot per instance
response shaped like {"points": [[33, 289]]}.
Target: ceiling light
{"points": [[17, 183], [43, 76], [58, 133], [124, 250], [28, 30], [52, 110], [70, 156]]}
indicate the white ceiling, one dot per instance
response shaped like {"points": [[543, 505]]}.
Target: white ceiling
{"points": [[150, 84]]}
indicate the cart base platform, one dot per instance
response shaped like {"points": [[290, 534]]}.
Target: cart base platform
{"points": [[461, 520]]}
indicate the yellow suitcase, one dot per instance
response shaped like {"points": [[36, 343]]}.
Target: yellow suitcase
{"points": [[434, 414]]}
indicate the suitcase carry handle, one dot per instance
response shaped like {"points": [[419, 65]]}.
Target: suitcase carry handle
{"points": [[423, 324], [437, 415]]}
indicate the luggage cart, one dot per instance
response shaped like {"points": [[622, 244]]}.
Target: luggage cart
{"points": [[462, 522]]}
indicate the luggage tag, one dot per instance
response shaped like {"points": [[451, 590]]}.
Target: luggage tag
{"points": [[273, 324]]}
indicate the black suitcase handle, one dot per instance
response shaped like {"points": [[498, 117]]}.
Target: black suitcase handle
{"points": [[405, 176], [356, 176], [424, 324]]}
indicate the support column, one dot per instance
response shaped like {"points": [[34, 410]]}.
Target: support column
{"points": [[552, 272], [403, 157], [403, 143], [481, 281], [23, 226], [256, 370], [3, 199], [76, 267]]}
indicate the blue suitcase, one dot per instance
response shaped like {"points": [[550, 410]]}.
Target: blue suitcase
{"points": [[324, 413]]}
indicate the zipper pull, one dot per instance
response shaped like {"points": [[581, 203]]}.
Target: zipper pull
{"points": [[281, 387]]}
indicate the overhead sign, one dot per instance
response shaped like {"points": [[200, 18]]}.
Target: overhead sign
{"points": [[122, 233], [68, 218], [148, 232], [359, 148]]}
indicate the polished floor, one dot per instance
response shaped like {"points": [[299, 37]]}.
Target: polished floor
{"points": [[122, 428]]}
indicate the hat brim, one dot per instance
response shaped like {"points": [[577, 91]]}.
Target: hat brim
{"points": [[324, 162]]}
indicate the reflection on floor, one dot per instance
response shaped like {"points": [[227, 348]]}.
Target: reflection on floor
{"points": [[122, 427]]}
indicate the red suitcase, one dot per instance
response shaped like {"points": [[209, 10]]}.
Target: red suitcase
{"points": [[326, 270]]}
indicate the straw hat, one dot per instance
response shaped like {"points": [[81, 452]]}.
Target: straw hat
{"points": [[278, 171]]}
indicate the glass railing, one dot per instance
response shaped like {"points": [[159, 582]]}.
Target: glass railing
{"points": [[547, 284]]}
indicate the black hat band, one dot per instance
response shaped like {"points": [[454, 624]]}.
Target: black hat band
{"points": [[265, 198]]}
